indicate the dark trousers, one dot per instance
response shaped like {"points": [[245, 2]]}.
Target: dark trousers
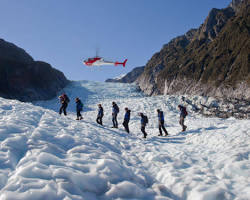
{"points": [[143, 131], [125, 124], [182, 123], [78, 114], [161, 126], [63, 108], [99, 119], [114, 120]]}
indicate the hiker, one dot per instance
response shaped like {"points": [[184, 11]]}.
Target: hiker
{"points": [[99, 114], [144, 121], [126, 119], [161, 122], [115, 111], [183, 114], [79, 107], [64, 100]]}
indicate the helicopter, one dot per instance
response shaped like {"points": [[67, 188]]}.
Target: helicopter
{"points": [[99, 61]]}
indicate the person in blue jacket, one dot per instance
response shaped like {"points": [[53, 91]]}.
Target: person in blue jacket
{"points": [[183, 115], [144, 121], [79, 107], [161, 122], [100, 114], [126, 119], [115, 111]]}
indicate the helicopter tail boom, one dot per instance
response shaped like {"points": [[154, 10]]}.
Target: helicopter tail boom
{"points": [[123, 63]]}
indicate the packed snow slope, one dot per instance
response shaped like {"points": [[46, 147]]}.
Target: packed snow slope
{"points": [[47, 156]]}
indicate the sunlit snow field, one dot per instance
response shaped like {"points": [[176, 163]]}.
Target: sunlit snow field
{"points": [[46, 156]]}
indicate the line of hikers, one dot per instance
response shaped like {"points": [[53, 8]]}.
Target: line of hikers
{"points": [[64, 100]]}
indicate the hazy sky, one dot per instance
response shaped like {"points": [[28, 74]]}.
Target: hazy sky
{"points": [[64, 32]]}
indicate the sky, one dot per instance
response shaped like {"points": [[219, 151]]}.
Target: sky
{"points": [[64, 33]]}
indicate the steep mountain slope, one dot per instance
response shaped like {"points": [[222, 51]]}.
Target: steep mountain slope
{"points": [[47, 156], [23, 78], [212, 60]]}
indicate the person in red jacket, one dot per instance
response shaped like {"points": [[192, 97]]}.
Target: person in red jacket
{"points": [[64, 100]]}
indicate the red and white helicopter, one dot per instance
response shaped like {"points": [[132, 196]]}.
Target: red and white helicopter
{"points": [[98, 61]]}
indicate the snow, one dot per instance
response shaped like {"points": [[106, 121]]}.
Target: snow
{"points": [[120, 76], [47, 156]]}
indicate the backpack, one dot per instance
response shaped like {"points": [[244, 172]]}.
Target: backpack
{"points": [[67, 99], [117, 108], [146, 119], [161, 116], [81, 106], [185, 111]]}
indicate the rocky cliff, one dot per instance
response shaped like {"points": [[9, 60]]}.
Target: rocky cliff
{"points": [[212, 60], [130, 77], [24, 79]]}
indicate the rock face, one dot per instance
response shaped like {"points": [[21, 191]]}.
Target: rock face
{"points": [[9, 51], [24, 79], [210, 61], [235, 4], [130, 77], [214, 107]]}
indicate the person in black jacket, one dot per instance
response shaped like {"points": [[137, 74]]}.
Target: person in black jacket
{"points": [[183, 115], [64, 100], [79, 107], [126, 119], [100, 114], [115, 111], [144, 121], [161, 122]]}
